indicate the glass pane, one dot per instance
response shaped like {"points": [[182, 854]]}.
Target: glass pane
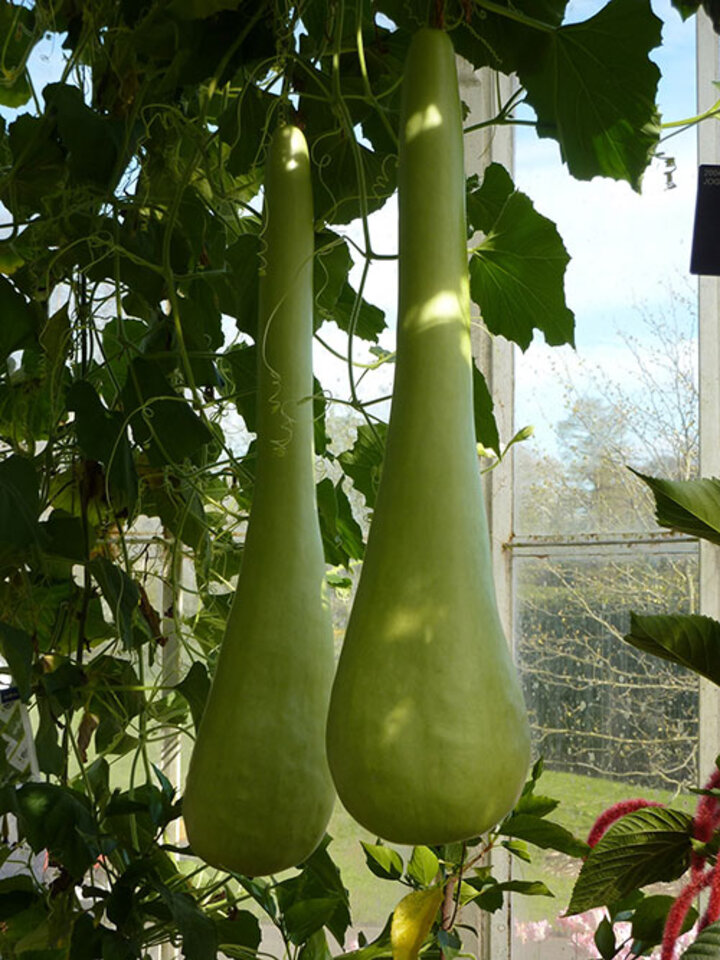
{"points": [[627, 395], [611, 722]]}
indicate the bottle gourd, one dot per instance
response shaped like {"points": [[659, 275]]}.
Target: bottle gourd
{"points": [[428, 740], [259, 795]]}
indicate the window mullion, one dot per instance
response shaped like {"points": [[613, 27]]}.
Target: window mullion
{"points": [[708, 69]]}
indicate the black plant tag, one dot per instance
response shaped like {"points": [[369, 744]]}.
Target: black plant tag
{"points": [[705, 256]]}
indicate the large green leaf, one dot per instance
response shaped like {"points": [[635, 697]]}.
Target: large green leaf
{"points": [[19, 506], [19, 320], [92, 142], [691, 640], [102, 435], [239, 369], [335, 299], [593, 88], [647, 846], [335, 172], [341, 534], [543, 833], [648, 921], [16, 647], [59, 820], [198, 932], [120, 593], [195, 687], [517, 271], [706, 946], [486, 431], [363, 462], [689, 506], [383, 861], [314, 898], [243, 126], [243, 931], [17, 28], [161, 417], [39, 172]]}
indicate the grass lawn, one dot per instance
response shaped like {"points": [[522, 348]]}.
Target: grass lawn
{"points": [[582, 799]]}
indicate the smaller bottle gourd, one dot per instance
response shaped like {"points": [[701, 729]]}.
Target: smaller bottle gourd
{"points": [[258, 794], [428, 740]]}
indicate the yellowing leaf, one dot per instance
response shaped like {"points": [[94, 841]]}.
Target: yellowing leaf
{"points": [[411, 922]]}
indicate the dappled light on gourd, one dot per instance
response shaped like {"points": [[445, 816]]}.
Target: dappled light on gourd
{"points": [[259, 795], [428, 740]]}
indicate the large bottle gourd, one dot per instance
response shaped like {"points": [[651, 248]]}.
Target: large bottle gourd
{"points": [[259, 795], [428, 740]]}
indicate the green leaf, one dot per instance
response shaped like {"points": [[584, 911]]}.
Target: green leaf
{"points": [[306, 917], [383, 861], [16, 894], [197, 930], [195, 687], [517, 271], [102, 435], [16, 647], [643, 847], [363, 463], [544, 834], [200, 9], [536, 805], [593, 88], [316, 947], [423, 866], [648, 921], [528, 888], [239, 289], [19, 506], [160, 417], [64, 536], [689, 506], [59, 820], [314, 898], [342, 537], [120, 593], [17, 28], [92, 142], [19, 326], [49, 753], [605, 939], [335, 299], [242, 930], [490, 899], [706, 946], [243, 125], [239, 370], [335, 178], [39, 170], [691, 640], [486, 431], [518, 849], [180, 507]]}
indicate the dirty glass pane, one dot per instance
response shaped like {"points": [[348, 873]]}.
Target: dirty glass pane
{"points": [[612, 723]]}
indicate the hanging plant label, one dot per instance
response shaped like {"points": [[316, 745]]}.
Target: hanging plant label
{"points": [[705, 256]]}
